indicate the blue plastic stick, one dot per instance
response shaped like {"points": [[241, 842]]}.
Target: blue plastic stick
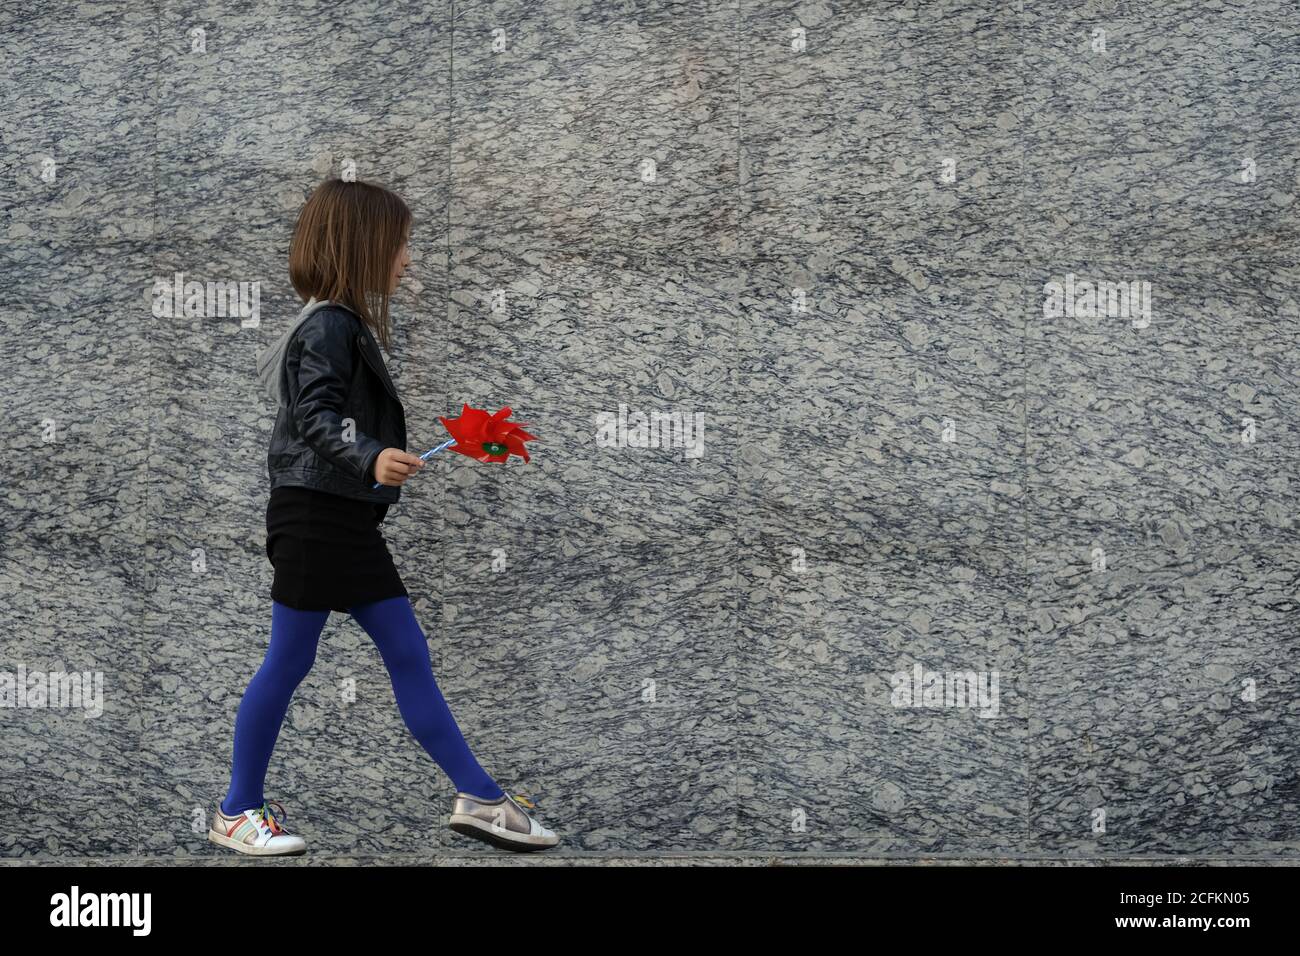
{"points": [[425, 457]]}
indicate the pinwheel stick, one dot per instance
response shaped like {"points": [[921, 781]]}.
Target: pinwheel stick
{"points": [[425, 457]]}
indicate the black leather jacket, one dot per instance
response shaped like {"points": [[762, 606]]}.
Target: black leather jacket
{"points": [[335, 377]]}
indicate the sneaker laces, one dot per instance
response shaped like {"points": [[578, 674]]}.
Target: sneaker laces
{"points": [[527, 805], [264, 816]]}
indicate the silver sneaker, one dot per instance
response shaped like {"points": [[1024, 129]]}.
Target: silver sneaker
{"points": [[258, 832], [506, 822]]}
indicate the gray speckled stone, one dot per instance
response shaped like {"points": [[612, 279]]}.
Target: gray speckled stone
{"points": [[907, 461]]}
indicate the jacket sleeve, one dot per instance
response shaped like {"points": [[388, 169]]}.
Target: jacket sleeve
{"points": [[325, 360]]}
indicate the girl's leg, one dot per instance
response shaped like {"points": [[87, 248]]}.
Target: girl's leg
{"points": [[294, 635], [392, 626]]}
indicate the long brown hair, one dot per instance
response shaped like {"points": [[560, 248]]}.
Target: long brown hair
{"points": [[344, 247]]}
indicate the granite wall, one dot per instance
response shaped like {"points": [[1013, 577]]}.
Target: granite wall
{"points": [[854, 250]]}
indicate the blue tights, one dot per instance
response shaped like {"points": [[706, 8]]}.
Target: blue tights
{"points": [[392, 626]]}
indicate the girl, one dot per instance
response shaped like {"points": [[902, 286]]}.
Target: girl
{"points": [[341, 428]]}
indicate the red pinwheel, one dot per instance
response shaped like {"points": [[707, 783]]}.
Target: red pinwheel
{"points": [[485, 437]]}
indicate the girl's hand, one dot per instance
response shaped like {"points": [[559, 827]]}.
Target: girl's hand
{"points": [[394, 466]]}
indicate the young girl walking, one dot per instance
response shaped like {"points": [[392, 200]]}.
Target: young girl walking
{"points": [[340, 429]]}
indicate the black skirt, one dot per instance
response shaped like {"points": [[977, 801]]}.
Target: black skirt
{"points": [[327, 551]]}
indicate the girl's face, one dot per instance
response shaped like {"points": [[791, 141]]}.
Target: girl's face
{"points": [[399, 268]]}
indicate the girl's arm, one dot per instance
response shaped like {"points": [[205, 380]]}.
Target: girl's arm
{"points": [[323, 348]]}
